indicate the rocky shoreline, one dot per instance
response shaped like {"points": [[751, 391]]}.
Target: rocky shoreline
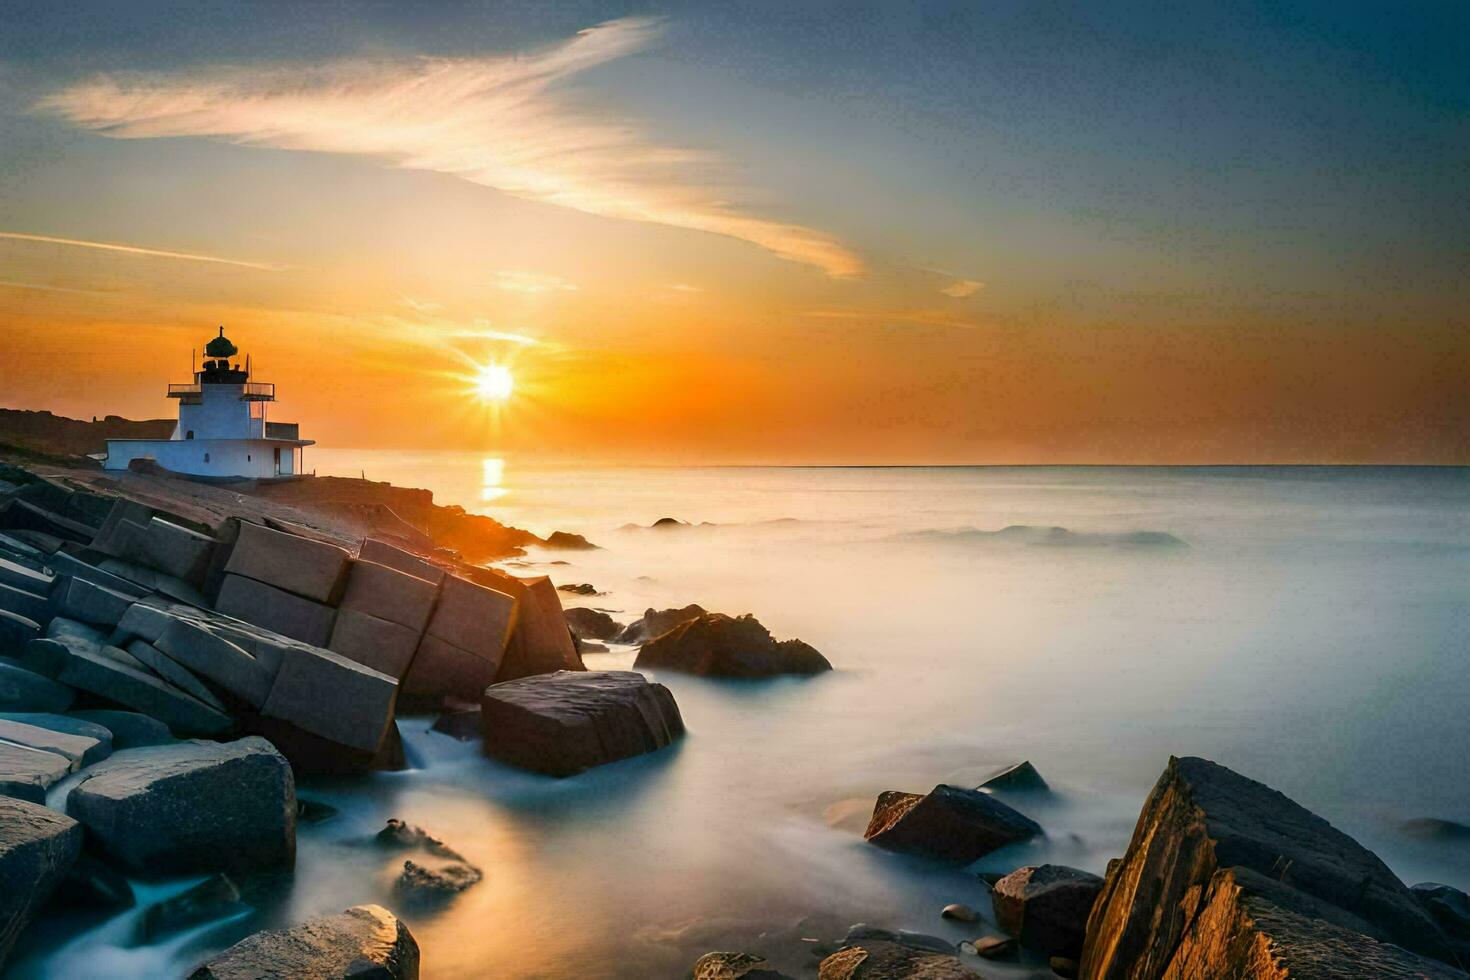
{"points": [[174, 656]]}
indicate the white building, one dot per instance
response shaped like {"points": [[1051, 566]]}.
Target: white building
{"points": [[222, 430]]}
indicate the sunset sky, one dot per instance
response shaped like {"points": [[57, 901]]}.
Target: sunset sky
{"points": [[732, 232]]}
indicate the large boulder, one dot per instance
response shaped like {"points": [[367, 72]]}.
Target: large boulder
{"points": [[311, 569], [383, 553], [78, 750], [381, 644], [37, 848], [716, 645], [1227, 877], [391, 594], [656, 622], [191, 807], [883, 960], [129, 729], [29, 605], [564, 723], [590, 624], [366, 942], [173, 550], [207, 653], [440, 669], [86, 732], [328, 695], [24, 577], [27, 773], [949, 823], [1046, 907], [541, 643], [473, 618], [1019, 778], [275, 609]]}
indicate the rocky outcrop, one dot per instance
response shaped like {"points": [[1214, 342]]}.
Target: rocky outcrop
{"points": [[564, 723], [1227, 877], [949, 823], [191, 807], [735, 966], [567, 541], [1019, 778], [37, 849], [656, 622], [589, 624], [716, 645], [366, 942], [1046, 907], [882, 960]]}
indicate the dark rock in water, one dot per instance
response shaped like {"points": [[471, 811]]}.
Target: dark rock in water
{"points": [[995, 947], [25, 690], [656, 622], [93, 886], [129, 729], [564, 723], [716, 645], [949, 823], [1223, 871], [1046, 907], [589, 624], [584, 588], [1433, 828], [313, 811], [402, 834], [1450, 907], [367, 942], [216, 897], [462, 723], [878, 960], [432, 881], [37, 849], [958, 912], [191, 807], [1022, 777], [862, 932], [1064, 967], [735, 966], [314, 755], [668, 522], [567, 541]]}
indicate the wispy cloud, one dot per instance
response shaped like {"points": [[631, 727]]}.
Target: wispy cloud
{"points": [[136, 250], [495, 121], [961, 288], [516, 281], [921, 317]]}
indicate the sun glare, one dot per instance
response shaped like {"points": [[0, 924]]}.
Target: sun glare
{"points": [[494, 383]]}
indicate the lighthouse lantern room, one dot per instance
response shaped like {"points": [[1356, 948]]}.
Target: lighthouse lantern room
{"points": [[223, 430]]}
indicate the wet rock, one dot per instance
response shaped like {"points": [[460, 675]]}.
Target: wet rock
{"points": [[311, 569], [1046, 907], [91, 885], [567, 541], [435, 881], [462, 723], [878, 960], [37, 848], [716, 645], [995, 947], [1450, 907], [1022, 777], [441, 671], [949, 823], [958, 913], [402, 835], [313, 811], [191, 807], [312, 755], [564, 723], [77, 750], [25, 690], [590, 624], [1063, 966], [583, 588], [656, 622], [216, 897], [68, 726], [366, 942], [129, 729], [735, 966], [1222, 869]]}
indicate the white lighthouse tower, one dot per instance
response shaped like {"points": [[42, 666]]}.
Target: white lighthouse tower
{"points": [[223, 430]]}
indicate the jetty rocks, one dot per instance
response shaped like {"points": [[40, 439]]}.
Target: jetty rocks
{"points": [[716, 645], [366, 942]]}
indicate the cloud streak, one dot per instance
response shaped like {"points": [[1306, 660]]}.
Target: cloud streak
{"points": [[136, 250], [495, 121]]}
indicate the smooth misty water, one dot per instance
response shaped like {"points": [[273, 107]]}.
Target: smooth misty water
{"points": [[1313, 634]]}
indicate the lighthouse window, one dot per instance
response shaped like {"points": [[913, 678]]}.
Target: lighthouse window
{"points": [[189, 434], [247, 457], [206, 457]]}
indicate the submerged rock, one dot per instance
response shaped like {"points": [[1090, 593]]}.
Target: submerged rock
{"points": [[1227, 877], [716, 645], [431, 881], [1046, 907], [656, 622], [995, 947], [37, 848], [402, 834], [949, 823], [213, 898], [92, 885], [1022, 777], [564, 723], [462, 723], [735, 966], [589, 624], [366, 942], [881, 960]]}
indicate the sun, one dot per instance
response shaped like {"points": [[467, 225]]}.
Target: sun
{"points": [[494, 383]]}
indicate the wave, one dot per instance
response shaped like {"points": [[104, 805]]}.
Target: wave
{"points": [[1054, 537]]}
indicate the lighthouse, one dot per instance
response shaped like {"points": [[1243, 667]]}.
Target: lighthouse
{"points": [[223, 430]]}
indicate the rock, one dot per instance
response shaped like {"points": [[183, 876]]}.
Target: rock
{"points": [[425, 881], [366, 942], [474, 618], [155, 581], [949, 823], [77, 750], [1063, 966], [328, 695], [191, 807], [390, 594], [173, 672], [401, 834], [735, 966], [668, 522], [582, 589], [130, 729], [461, 723], [1022, 777], [564, 723], [203, 652], [276, 610], [37, 849], [541, 642], [958, 912], [213, 898], [384, 553], [878, 960], [862, 932], [1450, 907], [22, 515], [567, 541], [1046, 907], [91, 885], [1433, 828], [589, 624], [28, 605], [88, 669], [656, 622], [311, 569], [26, 774], [174, 550], [69, 566], [312, 755], [716, 645], [146, 619], [24, 690], [995, 947], [1223, 871], [15, 632], [384, 646], [68, 726], [27, 579], [440, 670]]}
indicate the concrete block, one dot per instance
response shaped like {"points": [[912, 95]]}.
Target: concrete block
{"points": [[11, 546], [146, 619], [111, 539], [275, 610], [172, 671], [90, 670], [542, 641], [311, 569], [24, 516], [384, 646], [154, 581], [384, 553], [63, 564], [328, 695], [217, 659], [89, 602], [19, 576], [473, 617], [175, 550], [441, 669], [390, 594]]}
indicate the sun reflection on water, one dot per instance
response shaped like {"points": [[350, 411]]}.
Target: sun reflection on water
{"points": [[492, 476]]}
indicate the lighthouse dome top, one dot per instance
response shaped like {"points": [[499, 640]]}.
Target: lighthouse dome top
{"points": [[220, 346]]}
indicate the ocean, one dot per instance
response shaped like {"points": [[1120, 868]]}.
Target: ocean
{"points": [[1309, 627]]}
